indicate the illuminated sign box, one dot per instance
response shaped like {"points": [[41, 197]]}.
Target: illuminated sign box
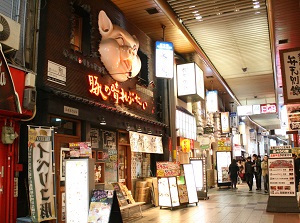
{"points": [[212, 101], [164, 59], [225, 122], [190, 82], [268, 108], [244, 110]]}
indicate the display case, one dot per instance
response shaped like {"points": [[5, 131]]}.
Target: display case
{"points": [[79, 181], [223, 162]]}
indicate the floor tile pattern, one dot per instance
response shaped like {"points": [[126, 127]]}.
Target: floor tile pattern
{"points": [[223, 206]]}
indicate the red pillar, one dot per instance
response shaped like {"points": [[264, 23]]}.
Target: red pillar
{"points": [[8, 185]]}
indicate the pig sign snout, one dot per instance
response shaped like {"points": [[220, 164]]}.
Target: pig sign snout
{"points": [[118, 50]]}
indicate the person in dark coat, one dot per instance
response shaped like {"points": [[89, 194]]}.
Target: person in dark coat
{"points": [[249, 170], [233, 171]]}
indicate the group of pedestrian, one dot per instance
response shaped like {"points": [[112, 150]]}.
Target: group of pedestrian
{"points": [[254, 168]]}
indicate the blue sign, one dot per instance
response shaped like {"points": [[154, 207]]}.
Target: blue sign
{"points": [[164, 59]]}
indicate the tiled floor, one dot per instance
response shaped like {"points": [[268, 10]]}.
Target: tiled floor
{"points": [[224, 206]]}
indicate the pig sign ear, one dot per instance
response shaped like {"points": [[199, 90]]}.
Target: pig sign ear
{"points": [[104, 23]]}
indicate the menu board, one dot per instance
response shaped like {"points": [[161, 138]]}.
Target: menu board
{"points": [[104, 207], [79, 185], [198, 168], [173, 191], [183, 194], [281, 177], [164, 196], [100, 206], [223, 162], [190, 183], [167, 169]]}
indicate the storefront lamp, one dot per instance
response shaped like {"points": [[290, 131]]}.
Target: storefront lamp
{"points": [[102, 121]]}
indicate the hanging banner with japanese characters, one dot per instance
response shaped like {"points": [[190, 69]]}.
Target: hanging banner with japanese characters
{"points": [[290, 67], [145, 143], [40, 174]]}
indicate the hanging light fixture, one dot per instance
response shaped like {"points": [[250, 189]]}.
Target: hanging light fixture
{"points": [[102, 120], [127, 126], [138, 129]]}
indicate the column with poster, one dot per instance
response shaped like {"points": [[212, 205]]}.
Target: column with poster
{"points": [[282, 188]]}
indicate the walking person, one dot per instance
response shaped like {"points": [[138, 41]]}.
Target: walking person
{"points": [[257, 170], [265, 173], [233, 172], [249, 172]]}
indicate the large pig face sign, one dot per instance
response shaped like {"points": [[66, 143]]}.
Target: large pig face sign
{"points": [[118, 50]]}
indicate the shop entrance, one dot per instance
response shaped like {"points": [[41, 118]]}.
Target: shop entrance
{"points": [[67, 131], [124, 170], [124, 159]]}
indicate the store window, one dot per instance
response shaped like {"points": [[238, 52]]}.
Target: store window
{"points": [[81, 30], [64, 126], [143, 76]]}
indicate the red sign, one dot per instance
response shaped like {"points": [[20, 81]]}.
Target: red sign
{"points": [[268, 108], [9, 99], [113, 91]]}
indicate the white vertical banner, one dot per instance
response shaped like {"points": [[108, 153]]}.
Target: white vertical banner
{"points": [[225, 122], [40, 174]]}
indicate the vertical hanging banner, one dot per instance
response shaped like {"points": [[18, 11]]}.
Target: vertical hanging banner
{"points": [[290, 67], [164, 59], [225, 122], [40, 174]]}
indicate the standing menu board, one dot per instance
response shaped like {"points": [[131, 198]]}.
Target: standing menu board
{"points": [[167, 192], [190, 183], [223, 162], [183, 194], [199, 167], [281, 177], [79, 185], [104, 207]]}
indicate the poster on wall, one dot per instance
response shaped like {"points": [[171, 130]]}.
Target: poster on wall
{"points": [[40, 174], [293, 118], [110, 155], [281, 177], [94, 134]]}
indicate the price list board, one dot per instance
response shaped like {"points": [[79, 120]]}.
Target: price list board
{"points": [[281, 177]]}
